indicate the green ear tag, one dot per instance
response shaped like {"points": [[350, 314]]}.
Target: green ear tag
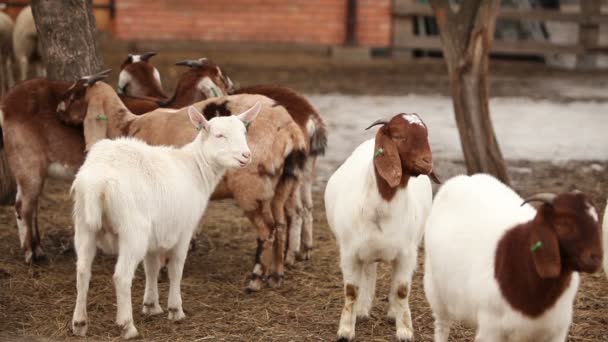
{"points": [[101, 117], [214, 92], [536, 246], [199, 127], [247, 125], [378, 152]]}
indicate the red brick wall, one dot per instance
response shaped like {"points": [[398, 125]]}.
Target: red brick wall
{"points": [[297, 21]]}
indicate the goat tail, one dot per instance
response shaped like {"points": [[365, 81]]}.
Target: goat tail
{"points": [[88, 202], [8, 186], [318, 135]]}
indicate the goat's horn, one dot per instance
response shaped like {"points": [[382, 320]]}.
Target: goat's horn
{"points": [[146, 55], [98, 76], [378, 122], [193, 63], [545, 197]]}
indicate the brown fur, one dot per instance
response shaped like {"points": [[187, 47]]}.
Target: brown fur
{"points": [[405, 153], [532, 281]]}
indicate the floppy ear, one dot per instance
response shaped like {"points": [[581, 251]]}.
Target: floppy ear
{"points": [[387, 160], [95, 124], [198, 119], [545, 245]]}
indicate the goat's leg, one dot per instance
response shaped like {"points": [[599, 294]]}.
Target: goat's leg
{"points": [[307, 217], [3, 74], [352, 271], [152, 264], [263, 221], [130, 255], [84, 245], [399, 308], [367, 291], [283, 192], [26, 205], [23, 64], [175, 268], [293, 210]]}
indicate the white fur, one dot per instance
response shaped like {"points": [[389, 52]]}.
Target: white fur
{"points": [[469, 216], [206, 86], [369, 229], [135, 58], [124, 77], [57, 170], [142, 200], [157, 76]]}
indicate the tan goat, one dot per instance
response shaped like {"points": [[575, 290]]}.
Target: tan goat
{"points": [[256, 188], [6, 53]]}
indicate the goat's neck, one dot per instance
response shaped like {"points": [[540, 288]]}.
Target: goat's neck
{"points": [[208, 172], [120, 119], [516, 274]]}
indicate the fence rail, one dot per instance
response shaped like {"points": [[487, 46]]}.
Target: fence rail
{"points": [[588, 18]]}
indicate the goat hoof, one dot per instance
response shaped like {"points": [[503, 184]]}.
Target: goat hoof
{"points": [[29, 256], [275, 281], [79, 328], [176, 314], [254, 285], [151, 309], [129, 331], [405, 335], [345, 335], [290, 258], [344, 339], [304, 256]]}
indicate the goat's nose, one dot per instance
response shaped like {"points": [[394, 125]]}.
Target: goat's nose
{"points": [[246, 155]]}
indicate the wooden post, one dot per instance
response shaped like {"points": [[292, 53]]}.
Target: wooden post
{"points": [[588, 34], [466, 37]]}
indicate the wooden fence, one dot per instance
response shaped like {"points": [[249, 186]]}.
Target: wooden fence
{"points": [[588, 19]]}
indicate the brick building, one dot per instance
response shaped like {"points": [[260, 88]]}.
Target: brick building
{"points": [[314, 22]]}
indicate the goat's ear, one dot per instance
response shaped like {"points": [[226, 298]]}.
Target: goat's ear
{"points": [[198, 119], [95, 124], [545, 245], [387, 160], [250, 114]]}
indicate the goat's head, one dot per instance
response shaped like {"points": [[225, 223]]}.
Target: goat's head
{"points": [[138, 77], [566, 234], [207, 77], [225, 137], [72, 106], [402, 148]]}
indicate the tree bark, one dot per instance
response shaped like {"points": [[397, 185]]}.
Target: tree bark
{"points": [[466, 35], [67, 38]]}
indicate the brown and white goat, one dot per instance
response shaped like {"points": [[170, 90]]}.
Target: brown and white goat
{"points": [[138, 76], [205, 79], [516, 269], [256, 188]]}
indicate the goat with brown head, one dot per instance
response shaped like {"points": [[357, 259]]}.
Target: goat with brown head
{"points": [[402, 150], [138, 77], [203, 80]]}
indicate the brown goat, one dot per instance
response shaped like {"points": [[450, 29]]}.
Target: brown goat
{"points": [[256, 188], [205, 79], [36, 145]]}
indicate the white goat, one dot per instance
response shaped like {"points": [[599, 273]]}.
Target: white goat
{"points": [[504, 267], [25, 44], [377, 203], [140, 200]]}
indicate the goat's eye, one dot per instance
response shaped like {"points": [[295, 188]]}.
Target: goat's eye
{"points": [[219, 136]]}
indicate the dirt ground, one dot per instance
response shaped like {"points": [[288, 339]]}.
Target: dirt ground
{"points": [[37, 301]]}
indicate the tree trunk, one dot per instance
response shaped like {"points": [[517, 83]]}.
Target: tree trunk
{"points": [[67, 38], [466, 38]]}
